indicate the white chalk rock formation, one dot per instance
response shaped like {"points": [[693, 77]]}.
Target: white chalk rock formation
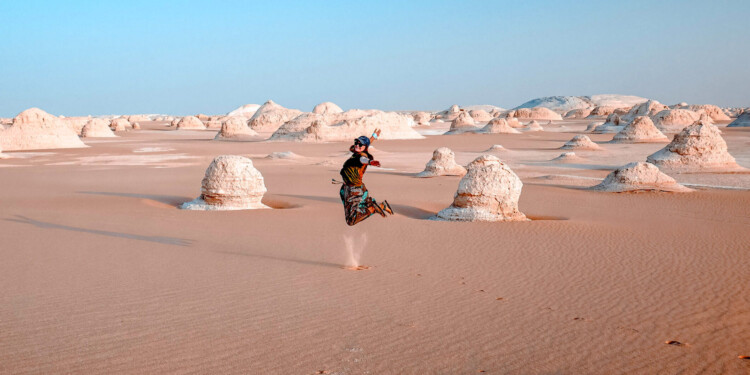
{"points": [[742, 121], [34, 129], [674, 120], [480, 115], [173, 123], [601, 111], [649, 108], [498, 126], [76, 123], [640, 130], [235, 128], [136, 126], [488, 192], [639, 176], [422, 118], [568, 157], [327, 107], [592, 126], [716, 113], [247, 111], [449, 114], [97, 128], [536, 113], [581, 142], [270, 116], [120, 124], [203, 117], [231, 183], [578, 113], [190, 123], [612, 125], [462, 123], [533, 126], [443, 163], [496, 148], [214, 123], [138, 118], [347, 126], [698, 147]]}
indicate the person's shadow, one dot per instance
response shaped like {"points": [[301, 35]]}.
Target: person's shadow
{"points": [[46, 225]]}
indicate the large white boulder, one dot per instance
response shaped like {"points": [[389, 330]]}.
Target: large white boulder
{"points": [[640, 130], [270, 116], [190, 123], [235, 128], [488, 192], [536, 113], [97, 128], [698, 147], [462, 123], [639, 176], [497, 126], [581, 142], [443, 163], [35, 129], [231, 183]]}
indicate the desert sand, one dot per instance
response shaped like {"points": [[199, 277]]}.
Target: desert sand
{"points": [[102, 273]]}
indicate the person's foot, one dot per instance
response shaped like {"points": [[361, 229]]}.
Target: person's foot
{"points": [[379, 209], [386, 207]]}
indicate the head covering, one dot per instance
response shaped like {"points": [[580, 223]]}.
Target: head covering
{"points": [[364, 140]]}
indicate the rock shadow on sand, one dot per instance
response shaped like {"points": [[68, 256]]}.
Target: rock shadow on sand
{"points": [[171, 200], [156, 239]]}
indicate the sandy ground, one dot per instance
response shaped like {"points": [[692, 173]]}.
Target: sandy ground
{"points": [[100, 273]]}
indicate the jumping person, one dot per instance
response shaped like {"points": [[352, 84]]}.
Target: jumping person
{"points": [[358, 205]]}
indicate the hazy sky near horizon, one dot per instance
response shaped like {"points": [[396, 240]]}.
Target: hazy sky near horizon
{"points": [[187, 57]]}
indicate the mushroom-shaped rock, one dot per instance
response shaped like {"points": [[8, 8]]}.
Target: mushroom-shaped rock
{"points": [[577, 113], [741, 121], [97, 128], [327, 107], [235, 127], [497, 126], [698, 147], [190, 123], [462, 123], [533, 126], [231, 183], [488, 192], [422, 118], [640, 130], [674, 120], [34, 129], [270, 116], [480, 115], [537, 113], [443, 163], [639, 176], [580, 142]]}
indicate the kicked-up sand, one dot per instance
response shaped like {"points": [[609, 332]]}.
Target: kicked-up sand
{"points": [[101, 273]]}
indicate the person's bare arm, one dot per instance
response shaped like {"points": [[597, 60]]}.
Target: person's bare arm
{"points": [[375, 135]]}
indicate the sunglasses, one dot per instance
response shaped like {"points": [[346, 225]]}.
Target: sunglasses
{"points": [[358, 143]]}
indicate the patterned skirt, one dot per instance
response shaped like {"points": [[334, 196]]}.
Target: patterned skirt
{"points": [[356, 202]]}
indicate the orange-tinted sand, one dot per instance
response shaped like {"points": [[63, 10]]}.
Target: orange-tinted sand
{"points": [[100, 273]]}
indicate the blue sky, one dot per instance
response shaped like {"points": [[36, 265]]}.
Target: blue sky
{"points": [[101, 57]]}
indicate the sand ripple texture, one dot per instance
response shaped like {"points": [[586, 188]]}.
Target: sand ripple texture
{"points": [[100, 273]]}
